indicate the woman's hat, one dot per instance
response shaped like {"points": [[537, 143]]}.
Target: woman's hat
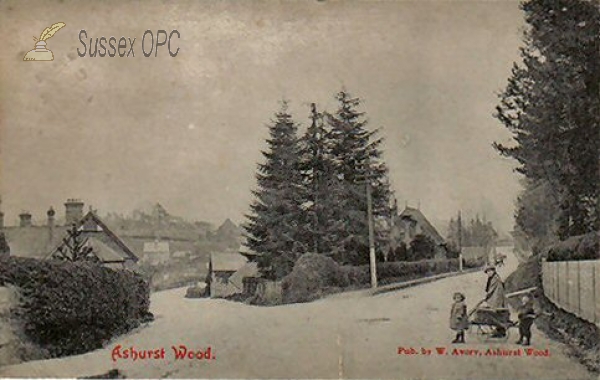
{"points": [[489, 268]]}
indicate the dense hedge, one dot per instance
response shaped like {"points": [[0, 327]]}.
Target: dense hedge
{"points": [[583, 247], [70, 308], [315, 275], [312, 275], [390, 272]]}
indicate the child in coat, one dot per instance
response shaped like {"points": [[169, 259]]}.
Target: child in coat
{"points": [[526, 317], [458, 317]]}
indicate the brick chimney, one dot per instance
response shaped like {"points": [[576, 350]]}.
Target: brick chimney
{"points": [[25, 219], [50, 213], [73, 211]]}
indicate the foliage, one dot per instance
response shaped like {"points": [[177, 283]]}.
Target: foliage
{"points": [[551, 106], [421, 248], [316, 275], [476, 233], [273, 229], [312, 191], [583, 247], [311, 276], [321, 187], [357, 158], [75, 247], [396, 271], [73, 307], [196, 292], [4, 248], [400, 253], [537, 213]]}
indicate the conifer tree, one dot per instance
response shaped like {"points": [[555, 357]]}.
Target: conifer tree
{"points": [[552, 107], [320, 185], [273, 229], [356, 156], [75, 247]]}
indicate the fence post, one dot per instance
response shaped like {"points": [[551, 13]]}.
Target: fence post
{"points": [[568, 301], [594, 295], [578, 289]]}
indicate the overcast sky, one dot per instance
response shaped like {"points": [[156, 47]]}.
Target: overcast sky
{"points": [[122, 133]]}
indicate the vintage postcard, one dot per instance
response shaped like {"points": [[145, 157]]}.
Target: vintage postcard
{"points": [[300, 189]]}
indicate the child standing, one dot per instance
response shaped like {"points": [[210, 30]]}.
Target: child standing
{"points": [[526, 317], [458, 317]]}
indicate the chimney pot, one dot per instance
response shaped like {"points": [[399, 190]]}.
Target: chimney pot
{"points": [[25, 219], [50, 213], [73, 211]]}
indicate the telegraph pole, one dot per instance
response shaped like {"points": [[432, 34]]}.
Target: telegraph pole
{"points": [[373, 262], [460, 256]]}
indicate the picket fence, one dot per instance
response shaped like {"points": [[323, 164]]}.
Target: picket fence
{"points": [[574, 286]]}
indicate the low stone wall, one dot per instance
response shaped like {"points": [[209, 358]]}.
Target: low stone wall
{"points": [[8, 338]]}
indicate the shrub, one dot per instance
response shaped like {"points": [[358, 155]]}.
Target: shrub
{"points": [[395, 271], [474, 262], [196, 292], [315, 275], [74, 307], [421, 247], [312, 275], [583, 247]]}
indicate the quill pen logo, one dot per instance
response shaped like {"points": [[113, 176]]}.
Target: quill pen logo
{"points": [[41, 53]]}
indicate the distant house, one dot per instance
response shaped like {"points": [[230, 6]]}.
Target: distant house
{"points": [[42, 241], [228, 274], [410, 223], [156, 252], [229, 233]]}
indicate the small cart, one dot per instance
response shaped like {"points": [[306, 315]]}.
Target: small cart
{"points": [[484, 321]]}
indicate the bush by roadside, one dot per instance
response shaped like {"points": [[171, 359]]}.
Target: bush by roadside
{"points": [[312, 277], [70, 308], [583, 247], [196, 291], [316, 275]]}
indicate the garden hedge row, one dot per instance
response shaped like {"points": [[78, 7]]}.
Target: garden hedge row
{"points": [[390, 272], [315, 275], [71, 308], [583, 247]]}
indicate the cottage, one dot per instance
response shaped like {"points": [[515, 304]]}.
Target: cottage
{"points": [[228, 274], [107, 246], [43, 241], [410, 223]]}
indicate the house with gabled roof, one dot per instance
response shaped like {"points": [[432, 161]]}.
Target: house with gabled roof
{"points": [[410, 223], [106, 245], [43, 240], [228, 273]]}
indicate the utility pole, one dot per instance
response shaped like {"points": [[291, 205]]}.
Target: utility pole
{"points": [[460, 256], [316, 157], [372, 260]]}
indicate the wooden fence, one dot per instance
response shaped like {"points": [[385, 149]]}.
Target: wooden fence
{"points": [[574, 286]]}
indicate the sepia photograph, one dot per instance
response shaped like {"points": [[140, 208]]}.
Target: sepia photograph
{"points": [[310, 189]]}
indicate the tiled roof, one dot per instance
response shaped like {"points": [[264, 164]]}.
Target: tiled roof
{"points": [[42, 241], [428, 228], [34, 241], [227, 262]]}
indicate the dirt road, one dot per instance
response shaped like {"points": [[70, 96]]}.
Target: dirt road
{"points": [[351, 335]]}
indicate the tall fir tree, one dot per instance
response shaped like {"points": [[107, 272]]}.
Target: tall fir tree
{"points": [[273, 229], [552, 107], [320, 186], [356, 156]]}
